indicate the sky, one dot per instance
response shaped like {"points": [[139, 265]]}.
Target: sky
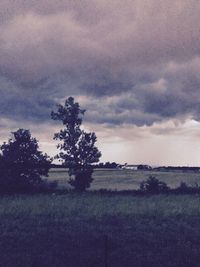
{"points": [[134, 65]]}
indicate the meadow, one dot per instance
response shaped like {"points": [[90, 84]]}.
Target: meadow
{"points": [[97, 230], [123, 179], [102, 229]]}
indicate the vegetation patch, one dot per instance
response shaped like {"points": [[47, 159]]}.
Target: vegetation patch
{"points": [[74, 230]]}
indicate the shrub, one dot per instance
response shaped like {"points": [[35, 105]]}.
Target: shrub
{"points": [[153, 185], [186, 189]]}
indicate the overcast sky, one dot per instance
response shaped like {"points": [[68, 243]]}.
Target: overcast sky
{"points": [[133, 64]]}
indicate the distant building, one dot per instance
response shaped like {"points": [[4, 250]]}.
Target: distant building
{"points": [[136, 167], [130, 167]]}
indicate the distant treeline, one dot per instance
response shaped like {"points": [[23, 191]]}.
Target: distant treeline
{"points": [[178, 168], [106, 165], [168, 168], [143, 167]]}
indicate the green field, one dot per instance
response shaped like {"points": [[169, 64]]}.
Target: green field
{"points": [[69, 230], [116, 179]]}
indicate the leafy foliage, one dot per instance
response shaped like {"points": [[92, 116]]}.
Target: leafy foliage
{"points": [[77, 148], [108, 165], [153, 185], [22, 164], [187, 189]]}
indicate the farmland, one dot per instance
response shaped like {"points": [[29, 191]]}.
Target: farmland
{"points": [[95, 229], [70, 230], [119, 179]]}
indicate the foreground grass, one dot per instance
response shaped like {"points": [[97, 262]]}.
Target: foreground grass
{"points": [[69, 230]]}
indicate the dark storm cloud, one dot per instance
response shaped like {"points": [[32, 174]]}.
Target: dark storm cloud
{"points": [[138, 62]]}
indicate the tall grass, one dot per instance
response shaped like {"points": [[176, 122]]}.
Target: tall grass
{"points": [[69, 230]]}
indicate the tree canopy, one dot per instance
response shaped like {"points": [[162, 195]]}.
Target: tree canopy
{"points": [[77, 148], [21, 163]]}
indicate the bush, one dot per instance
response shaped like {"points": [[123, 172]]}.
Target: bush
{"points": [[183, 187], [186, 189], [154, 186]]}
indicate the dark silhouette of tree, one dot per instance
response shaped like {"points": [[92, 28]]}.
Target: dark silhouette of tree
{"points": [[77, 148], [22, 164]]}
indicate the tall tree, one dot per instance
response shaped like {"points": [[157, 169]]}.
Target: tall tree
{"points": [[22, 164], [77, 148]]}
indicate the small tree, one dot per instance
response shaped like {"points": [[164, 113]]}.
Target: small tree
{"points": [[154, 186], [77, 148], [22, 164]]}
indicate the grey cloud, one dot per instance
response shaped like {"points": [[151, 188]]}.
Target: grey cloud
{"points": [[138, 62], [20, 104]]}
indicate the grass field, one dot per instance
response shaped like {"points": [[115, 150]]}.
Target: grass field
{"points": [[115, 179], [69, 230]]}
